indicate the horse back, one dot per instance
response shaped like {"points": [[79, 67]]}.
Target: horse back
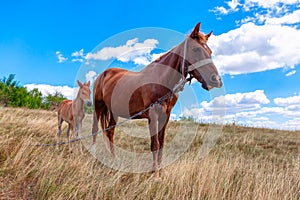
{"points": [[65, 110]]}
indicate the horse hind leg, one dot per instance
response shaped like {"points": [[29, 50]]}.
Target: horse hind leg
{"points": [[109, 130], [70, 135], [60, 121], [95, 127]]}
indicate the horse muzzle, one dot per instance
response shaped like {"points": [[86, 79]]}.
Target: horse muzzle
{"points": [[88, 102], [215, 81]]}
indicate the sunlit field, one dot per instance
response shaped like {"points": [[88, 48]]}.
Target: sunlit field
{"points": [[246, 163]]}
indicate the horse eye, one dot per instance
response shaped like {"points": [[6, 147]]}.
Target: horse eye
{"points": [[196, 49], [82, 92]]}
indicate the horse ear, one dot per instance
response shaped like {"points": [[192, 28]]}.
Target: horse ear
{"points": [[208, 35], [195, 31], [88, 83], [79, 83]]}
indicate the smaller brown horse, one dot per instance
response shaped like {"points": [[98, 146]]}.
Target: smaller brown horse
{"points": [[73, 113]]}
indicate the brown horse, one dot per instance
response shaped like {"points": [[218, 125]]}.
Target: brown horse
{"points": [[73, 113], [121, 93]]}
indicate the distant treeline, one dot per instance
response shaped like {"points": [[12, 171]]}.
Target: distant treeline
{"points": [[14, 95]]}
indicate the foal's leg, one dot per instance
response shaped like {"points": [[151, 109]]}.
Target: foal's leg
{"points": [[70, 128], [79, 126], [60, 121]]}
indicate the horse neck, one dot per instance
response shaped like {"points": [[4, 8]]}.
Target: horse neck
{"points": [[169, 66], [78, 103]]}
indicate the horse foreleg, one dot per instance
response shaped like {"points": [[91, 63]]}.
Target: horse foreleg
{"points": [[153, 126], [162, 122]]}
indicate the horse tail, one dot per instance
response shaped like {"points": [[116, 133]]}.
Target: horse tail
{"points": [[104, 117], [101, 111]]}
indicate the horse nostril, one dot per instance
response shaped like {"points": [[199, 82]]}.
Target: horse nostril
{"points": [[88, 103], [214, 78]]}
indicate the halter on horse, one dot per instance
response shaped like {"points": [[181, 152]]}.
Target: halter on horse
{"points": [[122, 93]]}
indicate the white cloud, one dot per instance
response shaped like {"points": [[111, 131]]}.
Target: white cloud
{"points": [[78, 56], [60, 57], [291, 73], [237, 102], [236, 105], [267, 4], [173, 117], [45, 89], [249, 5], [78, 53], [139, 53], [221, 10], [263, 11], [91, 76], [249, 109], [232, 7], [252, 48], [294, 100], [290, 18], [293, 124]]}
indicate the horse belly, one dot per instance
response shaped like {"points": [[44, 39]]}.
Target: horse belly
{"points": [[125, 108]]}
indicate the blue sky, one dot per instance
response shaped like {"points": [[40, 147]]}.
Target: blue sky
{"points": [[255, 45]]}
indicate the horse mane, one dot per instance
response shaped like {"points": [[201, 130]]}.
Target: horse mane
{"points": [[201, 37]]}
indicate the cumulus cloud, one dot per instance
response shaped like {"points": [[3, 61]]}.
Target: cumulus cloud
{"points": [[290, 18], [288, 101], [237, 102], [60, 57], [253, 48], [78, 56], [45, 89], [249, 109], [267, 4], [133, 50], [293, 124], [91, 76], [232, 103], [272, 12], [232, 7], [291, 73]]}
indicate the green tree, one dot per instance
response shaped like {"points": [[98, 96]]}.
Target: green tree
{"points": [[34, 99], [52, 101], [11, 94], [7, 88]]}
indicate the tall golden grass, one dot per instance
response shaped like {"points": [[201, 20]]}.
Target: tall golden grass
{"points": [[246, 163]]}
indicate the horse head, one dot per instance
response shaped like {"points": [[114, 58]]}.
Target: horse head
{"points": [[198, 57], [84, 92]]}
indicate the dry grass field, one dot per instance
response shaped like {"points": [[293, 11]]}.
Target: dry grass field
{"points": [[246, 163]]}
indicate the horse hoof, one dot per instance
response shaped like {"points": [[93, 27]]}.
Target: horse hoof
{"points": [[155, 178]]}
